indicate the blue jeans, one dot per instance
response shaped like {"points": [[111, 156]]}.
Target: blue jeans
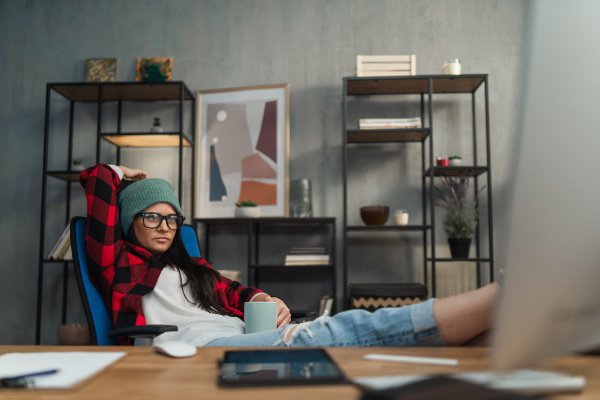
{"points": [[411, 325]]}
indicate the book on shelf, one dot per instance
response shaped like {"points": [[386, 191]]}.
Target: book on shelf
{"points": [[307, 256], [387, 123], [307, 250], [288, 263], [326, 304], [62, 245], [68, 254]]}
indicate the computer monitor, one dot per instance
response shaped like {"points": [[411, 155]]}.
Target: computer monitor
{"points": [[550, 303]]}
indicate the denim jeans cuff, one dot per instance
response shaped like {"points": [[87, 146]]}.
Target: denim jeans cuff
{"points": [[426, 331]]}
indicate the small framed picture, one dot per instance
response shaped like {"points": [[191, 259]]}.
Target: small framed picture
{"points": [[101, 70], [154, 69]]}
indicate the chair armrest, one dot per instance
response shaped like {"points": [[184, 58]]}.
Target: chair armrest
{"points": [[143, 331], [299, 316], [303, 313]]}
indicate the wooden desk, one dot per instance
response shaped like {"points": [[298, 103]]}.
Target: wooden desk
{"points": [[142, 373]]}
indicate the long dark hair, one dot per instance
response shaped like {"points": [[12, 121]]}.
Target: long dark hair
{"points": [[200, 278]]}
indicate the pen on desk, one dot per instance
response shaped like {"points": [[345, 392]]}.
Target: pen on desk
{"points": [[24, 381], [34, 374], [410, 359]]}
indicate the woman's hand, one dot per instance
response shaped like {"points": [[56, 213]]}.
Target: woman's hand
{"points": [[284, 316], [133, 174]]}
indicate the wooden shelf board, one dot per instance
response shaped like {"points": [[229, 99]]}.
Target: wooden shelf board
{"points": [[282, 266], [460, 260], [386, 135], [127, 91], [66, 175], [145, 139], [266, 220], [457, 171], [416, 84], [388, 227]]}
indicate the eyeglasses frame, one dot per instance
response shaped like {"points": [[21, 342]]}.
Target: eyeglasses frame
{"points": [[163, 218]]}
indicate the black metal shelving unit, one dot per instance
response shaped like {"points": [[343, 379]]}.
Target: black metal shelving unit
{"points": [[426, 86], [253, 233], [101, 94]]}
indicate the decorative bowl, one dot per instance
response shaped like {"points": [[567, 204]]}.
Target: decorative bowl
{"points": [[374, 215]]}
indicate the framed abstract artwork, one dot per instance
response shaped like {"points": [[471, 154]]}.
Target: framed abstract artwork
{"points": [[242, 150], [154, 69], [101, 70]]}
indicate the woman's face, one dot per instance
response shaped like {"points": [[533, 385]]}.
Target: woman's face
{"points": [[155, 240]]}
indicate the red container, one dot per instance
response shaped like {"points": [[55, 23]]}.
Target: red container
{"points": [[442, 162]]}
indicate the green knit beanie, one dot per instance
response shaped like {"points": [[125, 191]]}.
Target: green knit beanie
{"points": [[142, 194]]}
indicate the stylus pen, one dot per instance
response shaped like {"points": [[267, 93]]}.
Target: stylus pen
{"points": [[410, 359]]}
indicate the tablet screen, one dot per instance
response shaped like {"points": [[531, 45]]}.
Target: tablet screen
{"points": [[278, 367]]}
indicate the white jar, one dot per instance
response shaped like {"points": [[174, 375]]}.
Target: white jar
{"points": [[401, 217], [451, 67]]}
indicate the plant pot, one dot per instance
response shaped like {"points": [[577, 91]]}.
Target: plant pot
{"points": [[459, 247], [455, 162], [247, 212]]}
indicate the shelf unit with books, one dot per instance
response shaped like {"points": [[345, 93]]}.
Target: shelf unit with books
{"points": [[79, 98], [359, 89], [259, 264]]}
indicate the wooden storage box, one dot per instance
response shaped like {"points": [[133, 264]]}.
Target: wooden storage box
{"points": [[370, 297], [386, 65]]}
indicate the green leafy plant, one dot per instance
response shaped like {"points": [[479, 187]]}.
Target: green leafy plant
{"points": [[246, 203], [156, 122], [77, 161], [461, 217], [455, 158]]}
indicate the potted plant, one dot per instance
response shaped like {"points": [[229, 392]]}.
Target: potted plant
{"points": [[78, 164], [247, 209], [455, 161], [156, 127], [461, 217]]}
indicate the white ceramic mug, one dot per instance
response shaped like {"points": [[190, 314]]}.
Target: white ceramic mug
{"points": [[260, 316]]}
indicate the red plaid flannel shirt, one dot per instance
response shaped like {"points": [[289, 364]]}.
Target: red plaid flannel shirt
{"points": [[123, 272]]}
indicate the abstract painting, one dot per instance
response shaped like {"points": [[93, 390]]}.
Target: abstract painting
{"points": [[156, 69], [101, 70], [242, 150]]}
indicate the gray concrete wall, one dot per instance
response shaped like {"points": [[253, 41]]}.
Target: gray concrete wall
{"points": [[311, 44]]}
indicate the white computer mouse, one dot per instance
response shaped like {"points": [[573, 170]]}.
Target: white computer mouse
{"points": [[176, 349]]}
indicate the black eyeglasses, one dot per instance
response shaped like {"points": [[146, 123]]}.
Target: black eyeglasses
{"points": [[153, 220]]}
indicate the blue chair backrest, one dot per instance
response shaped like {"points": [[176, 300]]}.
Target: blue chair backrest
{"points": [[96, 312], [190, 240]]}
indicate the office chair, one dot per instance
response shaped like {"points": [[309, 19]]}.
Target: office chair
{"points": [[97, 314], [102, 332]]}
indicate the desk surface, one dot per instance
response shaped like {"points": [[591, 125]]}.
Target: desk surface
{"points": [[142, 373]]}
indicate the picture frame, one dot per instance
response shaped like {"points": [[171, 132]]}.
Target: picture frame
{"points": [[101, 70], [242, 150], [154, 69]]}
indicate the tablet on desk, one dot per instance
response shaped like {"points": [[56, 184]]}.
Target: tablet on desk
{"points": [[278, 367]]}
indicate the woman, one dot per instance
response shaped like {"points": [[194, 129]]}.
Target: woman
{"points": [[147, 277]]}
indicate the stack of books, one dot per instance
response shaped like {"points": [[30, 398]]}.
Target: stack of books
{"points": [[389, 123], [62, 248], [307, 256]]}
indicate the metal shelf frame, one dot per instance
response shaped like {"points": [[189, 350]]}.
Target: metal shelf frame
{"points": [[426, 86], [253, 233], [101, 93]]}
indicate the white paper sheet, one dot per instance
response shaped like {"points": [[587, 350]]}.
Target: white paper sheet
{"points": [[73, 367]]}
